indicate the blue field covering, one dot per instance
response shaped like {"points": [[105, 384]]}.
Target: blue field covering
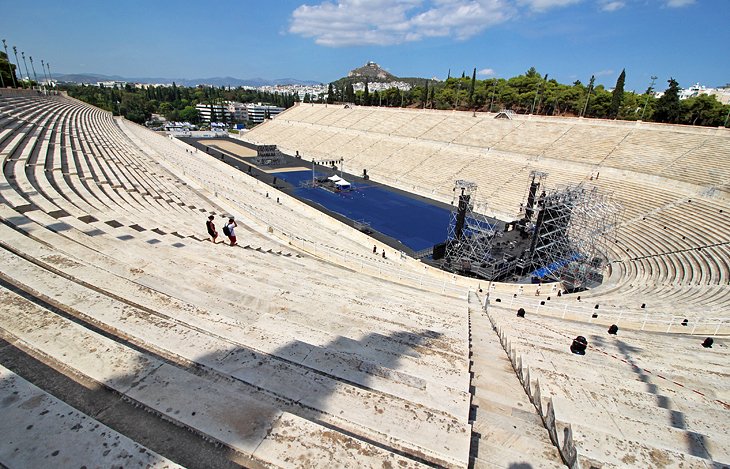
{"points": [[415, 223], [548, 270]]}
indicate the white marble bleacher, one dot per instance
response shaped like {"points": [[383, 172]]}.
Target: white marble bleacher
{"points": [[354, 115], [419, 125], [267, 341], [365, 122], [41, 192], [532, 137], [705, 164], [634, 161], [141, 279], [409, 158], [449, 129], [621, 397], [63, 435], [585, 142]]}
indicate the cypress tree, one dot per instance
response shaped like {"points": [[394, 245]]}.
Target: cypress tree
{"points": [[330, 94], [617, 96], [668, 107], [471, 86], [366, 95]]}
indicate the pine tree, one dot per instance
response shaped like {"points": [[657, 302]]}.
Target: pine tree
{"points": [[668, 107], [617, 97]]}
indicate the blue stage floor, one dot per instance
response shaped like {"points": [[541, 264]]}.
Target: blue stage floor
{"points": [[415, 223]]}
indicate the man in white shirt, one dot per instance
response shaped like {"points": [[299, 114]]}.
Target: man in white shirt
{"points": [[232, 234]]}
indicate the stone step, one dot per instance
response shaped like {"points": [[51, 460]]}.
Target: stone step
{"points": [[40, 430], [363, 411], [665, 437], [229, 412], [507, 429]]}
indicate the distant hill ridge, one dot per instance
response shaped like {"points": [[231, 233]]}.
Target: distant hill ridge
{"points": [[213, 81], [372, 72]]}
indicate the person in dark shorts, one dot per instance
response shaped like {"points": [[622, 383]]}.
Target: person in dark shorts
{"points": [[211, 228], [231, 232]]}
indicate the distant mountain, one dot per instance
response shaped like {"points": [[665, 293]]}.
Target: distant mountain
{"points": [[372, 72], [93, 78]]}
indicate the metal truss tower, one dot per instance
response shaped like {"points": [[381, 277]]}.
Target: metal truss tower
{"points": [[573, 227], [470, 234]]}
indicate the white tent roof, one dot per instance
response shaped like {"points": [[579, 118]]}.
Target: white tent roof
{"points": [[335, 178], [341, 182]]}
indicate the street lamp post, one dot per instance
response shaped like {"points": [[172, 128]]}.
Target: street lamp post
{"points": [[534, 101], [45, 75], [651, 88], [590, 90], [50, 77], [27, 74], [15, 51], [12, 75], [35, 77]]}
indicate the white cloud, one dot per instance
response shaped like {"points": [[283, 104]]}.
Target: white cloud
{"points": [[543, 5], [612, 6], [603, 73], [488, 72], [679, 3], [386, 22]]}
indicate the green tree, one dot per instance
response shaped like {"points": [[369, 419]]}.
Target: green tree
{"points": [[189, 114], [7, 70], [668, 108], [703, 110], [472, 85], [366, 95], [617, 96], [330, 94], [349, 93]]}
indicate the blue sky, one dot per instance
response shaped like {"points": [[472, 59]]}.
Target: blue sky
{"points": [[322, 40]]}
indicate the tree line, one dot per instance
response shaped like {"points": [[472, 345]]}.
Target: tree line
{"points": [[529, 93], [175, 103], [534, 93]]}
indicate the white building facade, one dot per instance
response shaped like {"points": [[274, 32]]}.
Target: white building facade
{"points": [[258, 112]]}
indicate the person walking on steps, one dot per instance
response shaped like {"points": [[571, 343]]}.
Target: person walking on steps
{"points": [[211, 228], [229, 230]]}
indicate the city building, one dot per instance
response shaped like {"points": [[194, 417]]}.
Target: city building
{"points": [[258, 112]]}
